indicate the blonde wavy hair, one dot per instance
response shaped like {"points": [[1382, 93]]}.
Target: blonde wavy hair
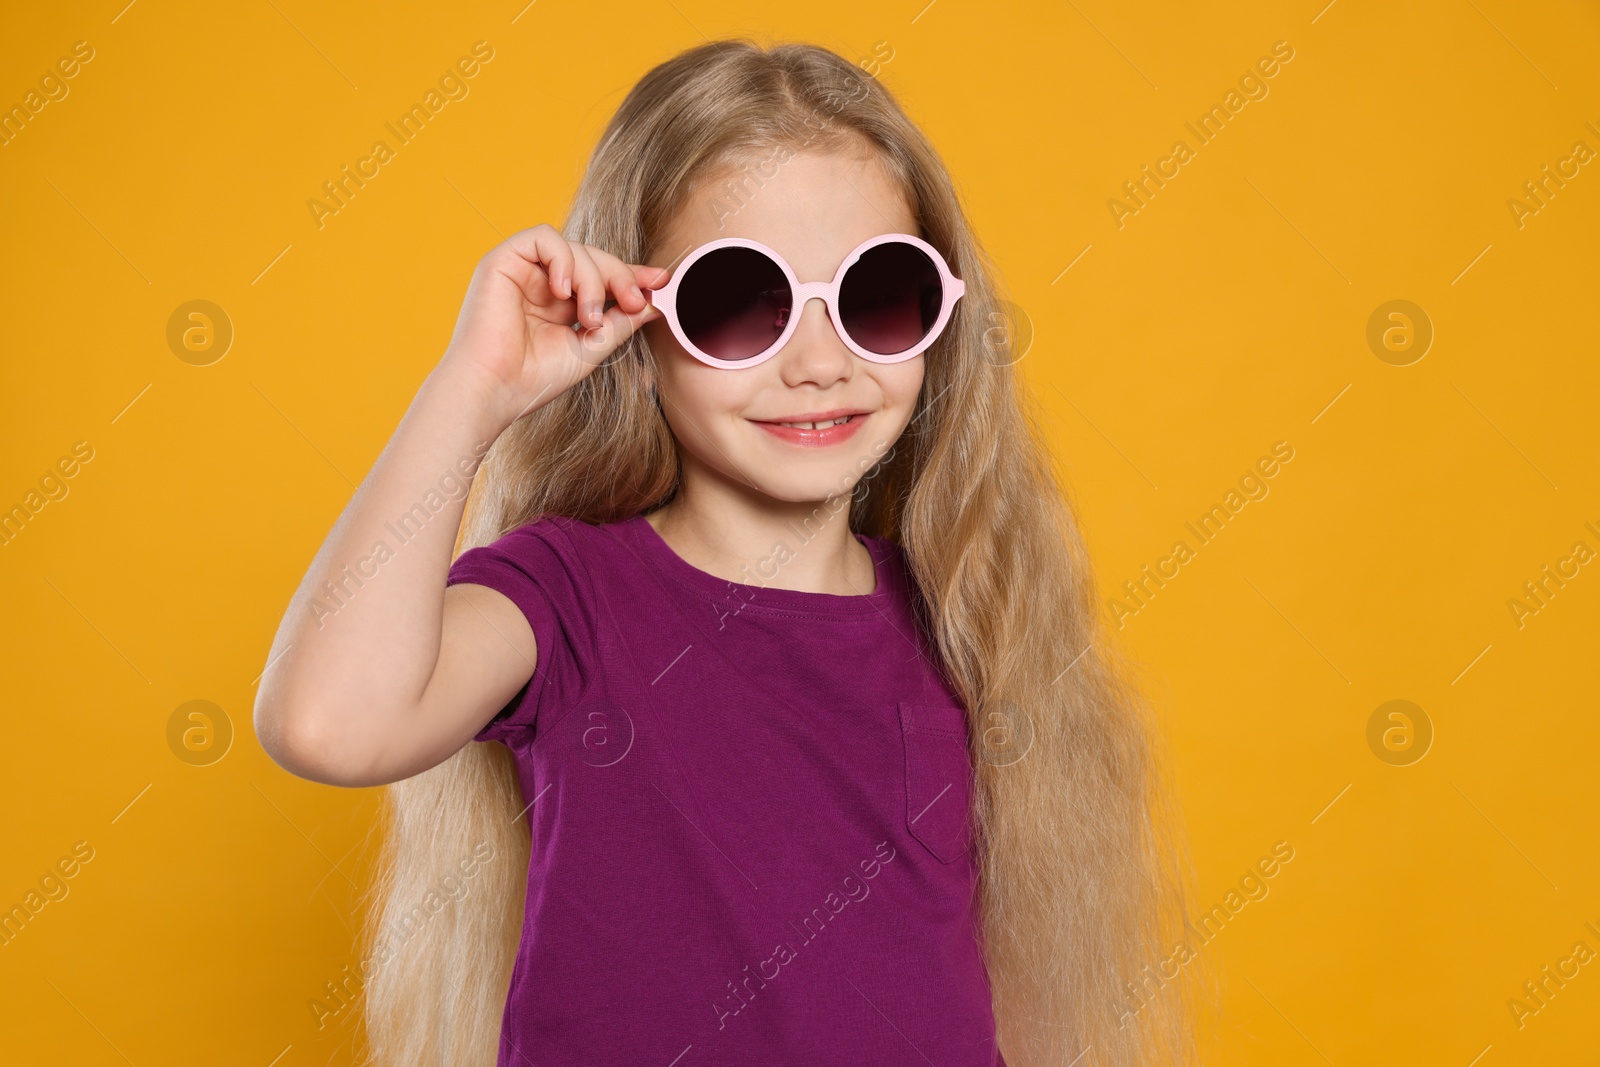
{"points": [[1084, 868]]}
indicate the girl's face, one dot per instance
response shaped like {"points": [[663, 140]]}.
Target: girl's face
{"points": [[813, 212]]}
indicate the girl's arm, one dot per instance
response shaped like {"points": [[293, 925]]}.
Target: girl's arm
{"points": [[379, 671]]}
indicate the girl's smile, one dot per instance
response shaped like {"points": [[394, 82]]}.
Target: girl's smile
{"points": [[815, 429]]}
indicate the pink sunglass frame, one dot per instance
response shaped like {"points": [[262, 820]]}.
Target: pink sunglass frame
{"points": [[665, 299]]}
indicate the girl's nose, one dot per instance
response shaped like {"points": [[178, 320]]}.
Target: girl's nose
{"points": [[816, 352]]}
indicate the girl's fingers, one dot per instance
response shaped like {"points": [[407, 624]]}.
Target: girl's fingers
{"points": [[590, 291], [553, 271], [568, 270], [544, 248], [595, 345], [650, 277], [619, 279]]}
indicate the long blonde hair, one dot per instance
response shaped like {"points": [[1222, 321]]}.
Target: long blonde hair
{"points": [[1083, 863]]}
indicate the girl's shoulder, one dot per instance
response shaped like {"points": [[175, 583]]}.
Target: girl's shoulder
{"points": [[564, 535], [628, 553], [582, 551]]}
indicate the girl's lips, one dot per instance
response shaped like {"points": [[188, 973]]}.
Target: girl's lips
{"points": [[819, 438]]}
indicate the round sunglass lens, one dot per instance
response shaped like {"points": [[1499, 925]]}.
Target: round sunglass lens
{"points": [[734, 302], [890, 297]]}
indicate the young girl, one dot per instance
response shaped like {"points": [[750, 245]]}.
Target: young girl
{"points": [[809, 746]]}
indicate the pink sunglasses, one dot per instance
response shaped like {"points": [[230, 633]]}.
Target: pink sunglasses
{"points": [[734, 303]]}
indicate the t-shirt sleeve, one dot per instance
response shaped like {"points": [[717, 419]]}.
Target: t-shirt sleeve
{"points": [[536, 566]]}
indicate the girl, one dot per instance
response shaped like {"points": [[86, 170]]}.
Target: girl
{"points": [[809, 747]]}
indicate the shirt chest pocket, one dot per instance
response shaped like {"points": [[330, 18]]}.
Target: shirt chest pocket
{"points": [[939, 778]]}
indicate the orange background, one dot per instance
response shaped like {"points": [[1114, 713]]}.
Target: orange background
{"points": [[1228, 313]]}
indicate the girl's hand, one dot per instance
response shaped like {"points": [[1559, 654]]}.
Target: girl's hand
{"points": [[514, 337]]}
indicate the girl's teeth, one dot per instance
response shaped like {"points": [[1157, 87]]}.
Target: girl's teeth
{"points": [[816, 425]]}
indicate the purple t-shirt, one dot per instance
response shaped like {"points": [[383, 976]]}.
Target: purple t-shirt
{"points": [[750, 813]]}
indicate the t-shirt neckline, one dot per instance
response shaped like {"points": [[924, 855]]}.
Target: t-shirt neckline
{"points": [[758, 597]]}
